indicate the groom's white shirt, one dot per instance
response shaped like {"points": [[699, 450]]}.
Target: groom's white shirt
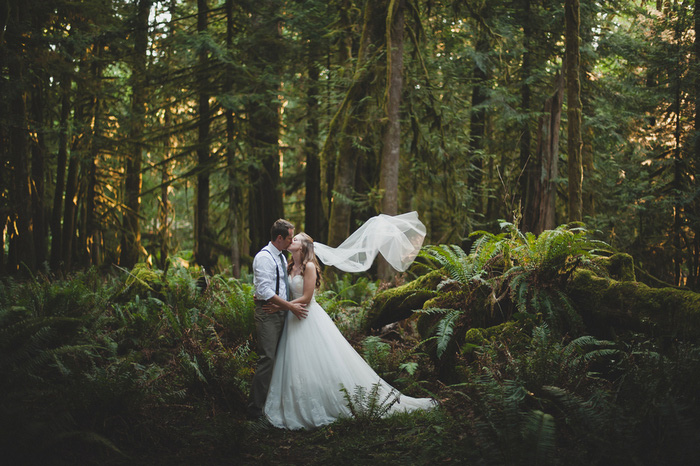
{"points": [[264, 275]]}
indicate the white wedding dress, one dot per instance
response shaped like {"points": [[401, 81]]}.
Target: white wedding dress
{"points": [[313, 363]]}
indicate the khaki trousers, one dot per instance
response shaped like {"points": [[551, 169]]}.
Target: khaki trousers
{"points": [[268, 328]]}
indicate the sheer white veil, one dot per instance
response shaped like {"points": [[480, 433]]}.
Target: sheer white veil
{"points": [[398, 238]]}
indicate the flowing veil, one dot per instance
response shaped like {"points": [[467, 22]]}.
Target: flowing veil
{"points": [[398, 238]]}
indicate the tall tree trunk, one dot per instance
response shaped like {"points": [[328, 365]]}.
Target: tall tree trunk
{"points": [[477, 127], [164, 205], [528, 166], [61, 159], [265, 197], [21, 242], [89, 249], [546, 162], [573, 95], [131, 230], [234, 189], [353, 115], [71, 198], [39, 151], [314, 223], [203, 237], [391, 138], [695, 148], [678, 184]]}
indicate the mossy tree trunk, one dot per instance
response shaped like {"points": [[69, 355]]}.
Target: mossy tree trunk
{"points": [[351, 123]]}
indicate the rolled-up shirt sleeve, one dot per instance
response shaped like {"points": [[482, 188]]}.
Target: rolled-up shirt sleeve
{"points": [[264, 276]]}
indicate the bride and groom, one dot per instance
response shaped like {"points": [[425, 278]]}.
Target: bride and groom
{"points": [[304, 360]]}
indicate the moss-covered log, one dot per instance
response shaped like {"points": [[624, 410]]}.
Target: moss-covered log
{"points": [[399, 303], [609, 307]]}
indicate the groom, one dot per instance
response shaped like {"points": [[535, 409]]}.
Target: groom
{"points": [[271, 286]]}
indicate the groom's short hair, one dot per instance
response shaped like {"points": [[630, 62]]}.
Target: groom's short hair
{"points": [[280, 228]]}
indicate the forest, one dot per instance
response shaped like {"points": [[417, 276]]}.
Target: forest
{"points": [[549, 147]]}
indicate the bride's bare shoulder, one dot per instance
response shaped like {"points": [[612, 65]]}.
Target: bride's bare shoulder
{"points": [[309, 268]]}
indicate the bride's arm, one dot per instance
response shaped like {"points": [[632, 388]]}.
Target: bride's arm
{"points": [[309, 284]]}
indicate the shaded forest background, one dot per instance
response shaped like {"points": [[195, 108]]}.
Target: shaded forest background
{"points": [[142, 130], [550, 148]]}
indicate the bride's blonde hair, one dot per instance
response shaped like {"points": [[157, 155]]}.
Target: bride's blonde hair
{"points": [[307, 255]]}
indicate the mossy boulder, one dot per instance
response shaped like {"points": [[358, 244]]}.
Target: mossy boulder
{"points": [[610, 306], [398, 303]]}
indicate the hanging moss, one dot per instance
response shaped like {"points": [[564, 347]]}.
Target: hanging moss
{"points": [[610, 306]]}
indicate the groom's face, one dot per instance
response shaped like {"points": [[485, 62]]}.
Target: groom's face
{"points": [[288, 239]]}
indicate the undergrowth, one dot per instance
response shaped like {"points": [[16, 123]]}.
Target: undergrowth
{"points": [[150, 367]]}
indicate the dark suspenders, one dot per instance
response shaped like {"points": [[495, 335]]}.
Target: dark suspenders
{"points": [[277, 269]]}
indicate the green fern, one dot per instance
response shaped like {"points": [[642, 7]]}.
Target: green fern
{"points": [[370, 405]]}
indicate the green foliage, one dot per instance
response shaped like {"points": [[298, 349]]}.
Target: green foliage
{"points": [[376, 352], [367, 406]]}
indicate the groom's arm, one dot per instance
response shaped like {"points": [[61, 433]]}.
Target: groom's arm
{"points": [[264, 276], [265, 281], [299, 310]]}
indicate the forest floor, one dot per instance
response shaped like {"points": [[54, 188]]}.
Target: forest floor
{"points": [[404, 439]]}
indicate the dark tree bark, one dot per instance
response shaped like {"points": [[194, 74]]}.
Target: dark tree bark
{"points": [[131, 233], [265, 196], [573, 95], [21, 241], [61, 160], [39, 150], [528, 166], [234, 189], [89, 248], [203, 237], [695, 146]]}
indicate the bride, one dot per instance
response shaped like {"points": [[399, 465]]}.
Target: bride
{"points": [[314, 361]]}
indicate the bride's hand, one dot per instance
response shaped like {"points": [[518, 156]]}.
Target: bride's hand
{"points": [[299, 310]]}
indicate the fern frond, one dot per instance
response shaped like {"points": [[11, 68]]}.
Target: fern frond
{"points": [[539, 431], [445, 329]]}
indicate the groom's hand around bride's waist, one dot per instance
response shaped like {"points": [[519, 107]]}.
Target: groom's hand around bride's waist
{"points": [[299, 310]]}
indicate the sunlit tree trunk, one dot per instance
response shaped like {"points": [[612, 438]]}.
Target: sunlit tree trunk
{"points": [[90, 240], [547, 162], [131, 234], [573, 96]]}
